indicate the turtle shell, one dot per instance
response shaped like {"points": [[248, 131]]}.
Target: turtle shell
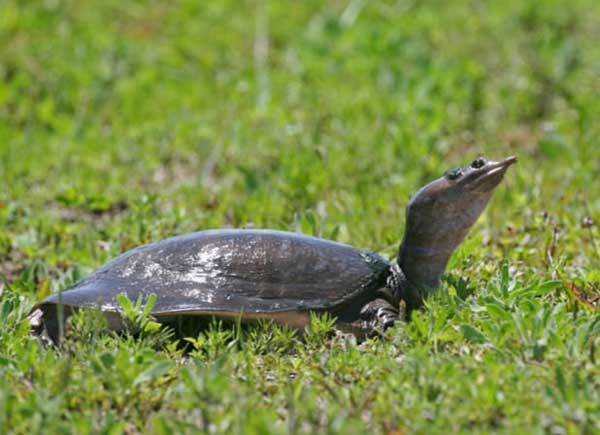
{"points": [[253, 272]]}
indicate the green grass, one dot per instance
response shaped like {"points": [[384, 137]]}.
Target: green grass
{"points": [[123, 123]]}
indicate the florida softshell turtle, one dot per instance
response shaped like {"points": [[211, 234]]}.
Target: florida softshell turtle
{"points": [[264, 274]]}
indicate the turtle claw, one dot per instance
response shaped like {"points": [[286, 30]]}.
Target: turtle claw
{"points": [[387, 317], [379, 314]]}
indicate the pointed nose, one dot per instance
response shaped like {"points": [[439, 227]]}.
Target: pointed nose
{"points": [[509, 161]]}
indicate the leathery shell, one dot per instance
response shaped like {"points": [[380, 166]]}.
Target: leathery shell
{"points": [[257, 273]]}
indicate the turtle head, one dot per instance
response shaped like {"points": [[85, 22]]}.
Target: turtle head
{"points": [[440, 214]]}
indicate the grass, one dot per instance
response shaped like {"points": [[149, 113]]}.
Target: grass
{"points": [[123, 123]]}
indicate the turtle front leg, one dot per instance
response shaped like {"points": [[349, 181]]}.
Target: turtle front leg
{"points": [[374, 318], [379, 315]]}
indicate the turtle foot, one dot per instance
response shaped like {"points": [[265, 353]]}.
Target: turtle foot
{"points": [[379, 314]]}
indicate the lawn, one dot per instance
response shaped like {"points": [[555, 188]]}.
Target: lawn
{"points": [[123, 123]]}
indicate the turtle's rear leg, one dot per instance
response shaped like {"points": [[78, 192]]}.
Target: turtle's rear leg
{"points": [[44, 323]]}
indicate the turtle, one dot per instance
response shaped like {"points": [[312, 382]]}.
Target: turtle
{"points": [[253, 274]]}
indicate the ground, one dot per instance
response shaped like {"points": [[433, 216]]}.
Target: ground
{"points": [[123, 123]]}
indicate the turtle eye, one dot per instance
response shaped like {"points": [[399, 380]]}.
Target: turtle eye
{"points": [[479, 162], [453, 174]]}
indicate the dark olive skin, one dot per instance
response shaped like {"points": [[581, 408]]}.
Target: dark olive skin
{"points": [[439, 216], [264, 274]]}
